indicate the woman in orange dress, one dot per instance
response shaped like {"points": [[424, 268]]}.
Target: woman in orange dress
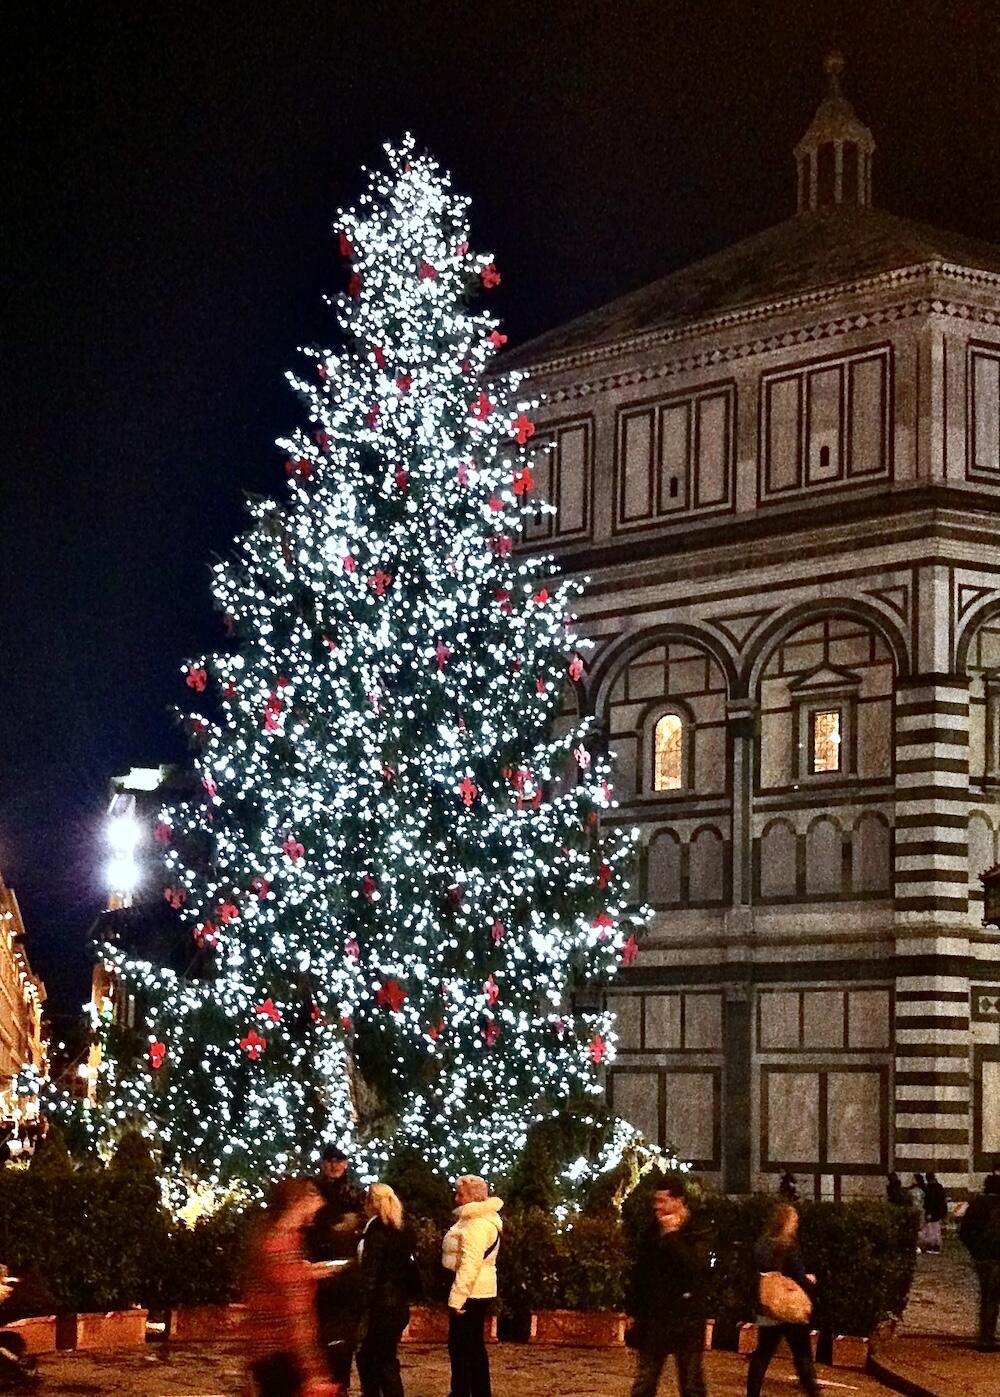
{"points": [[286, 1359]]}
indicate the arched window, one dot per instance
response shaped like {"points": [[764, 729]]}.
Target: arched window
{"points": [[668, 753]]}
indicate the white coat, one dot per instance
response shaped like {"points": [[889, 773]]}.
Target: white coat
{"points": [[475, 1232]]}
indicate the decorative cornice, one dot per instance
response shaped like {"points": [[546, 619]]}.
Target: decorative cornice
{"points": [[719, 354]]}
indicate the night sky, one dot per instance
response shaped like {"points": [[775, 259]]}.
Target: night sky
{"points": [[175, 170]]}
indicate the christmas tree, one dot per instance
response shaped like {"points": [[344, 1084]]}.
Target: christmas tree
{"points": [[395, 875]]}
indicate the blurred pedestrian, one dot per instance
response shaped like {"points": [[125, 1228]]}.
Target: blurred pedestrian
{"points": [[667, 1298], [895, 1192], [788, 1188], [388, 1281], [470, 1249], [333, 1240], [935, 1212], [980, 1231], [784, 1303], [286, 1359]]}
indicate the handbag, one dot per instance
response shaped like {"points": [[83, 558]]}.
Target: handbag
{"points": [[782, 1299]]}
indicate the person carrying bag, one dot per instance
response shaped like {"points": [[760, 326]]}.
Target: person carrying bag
{"points": [[783, 1304]]}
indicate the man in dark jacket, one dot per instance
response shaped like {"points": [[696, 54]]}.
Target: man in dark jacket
{"points": [[980, 1231], [668, 1294], [333, 1237]]}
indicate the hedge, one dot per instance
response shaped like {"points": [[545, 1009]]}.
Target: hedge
{"points": [[95, 1238]]}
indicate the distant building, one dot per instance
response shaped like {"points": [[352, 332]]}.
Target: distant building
{"points": [[780, 468], [22, 994]]}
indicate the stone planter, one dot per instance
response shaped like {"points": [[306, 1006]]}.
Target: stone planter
{"points": [[38, 1333], [429, 1325], [750, 1333], [849, 1352], [115, 1329], [747, 1341], [709, 1333], [194, 1324], [580, 1328]]}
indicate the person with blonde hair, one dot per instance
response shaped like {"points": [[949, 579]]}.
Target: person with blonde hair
{"points": [[470, 1249], [387, 1281], [777, 1255]]}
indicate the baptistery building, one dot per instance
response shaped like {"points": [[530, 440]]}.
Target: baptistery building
{"points": [[780, 469]]}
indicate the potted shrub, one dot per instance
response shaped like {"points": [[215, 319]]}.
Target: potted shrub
{"points": [[589, 1288]]}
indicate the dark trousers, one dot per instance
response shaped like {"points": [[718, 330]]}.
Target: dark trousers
{"points": [[378, 1359], [769, 1336], [470, 1364], [989, 1299], [690, 1370], [338, 1326]]}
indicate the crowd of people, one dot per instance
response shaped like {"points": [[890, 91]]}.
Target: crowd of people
{"points": [[335, 1273]]}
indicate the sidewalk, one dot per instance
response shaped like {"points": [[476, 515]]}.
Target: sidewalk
{"points": [[932, 1354], [210, 1370]]}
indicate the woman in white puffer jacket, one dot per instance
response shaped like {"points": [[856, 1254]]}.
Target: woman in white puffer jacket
{"points": [[470, 1250]]}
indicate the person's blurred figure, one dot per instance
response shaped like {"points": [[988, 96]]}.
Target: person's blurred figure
{"points": [[788, 1188], [286, 1359], [895, 1192], [667, 1298], [387, 1282], [980, 1231], [935, 1212], [777, 1251], [333, 1238], [470, 1249]]}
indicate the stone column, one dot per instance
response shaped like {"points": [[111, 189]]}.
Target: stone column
{"points": [[932, 1041]]}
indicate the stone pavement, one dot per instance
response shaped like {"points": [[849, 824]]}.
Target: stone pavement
{"points": [[932, 1354], [203, 1370]]}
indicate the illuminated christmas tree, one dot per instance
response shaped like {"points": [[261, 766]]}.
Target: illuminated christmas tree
{"points": [[395, 876]]}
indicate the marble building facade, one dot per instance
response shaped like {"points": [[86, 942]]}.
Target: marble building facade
{"points": [[780, 470]]}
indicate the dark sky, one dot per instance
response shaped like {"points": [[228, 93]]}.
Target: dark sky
{"points": [[174, 171]]}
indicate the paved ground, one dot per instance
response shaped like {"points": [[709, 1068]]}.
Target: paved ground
{"points": [[944, 1299], [518, 1371]]}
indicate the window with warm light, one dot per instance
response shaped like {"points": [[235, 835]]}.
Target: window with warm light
{"points": [[826, 740], [668, 751]]}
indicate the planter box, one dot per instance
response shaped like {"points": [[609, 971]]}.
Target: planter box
{"points": [[116, 1329], [849, 1352], [750, 1334], [709, 1333], [429, 1325], [38, 1333], [193, 1324], [580, 1328], [747, 1341]]}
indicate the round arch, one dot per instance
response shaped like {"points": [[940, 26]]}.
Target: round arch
{"points": [[980, 615], [790, 621], [629, 648]]}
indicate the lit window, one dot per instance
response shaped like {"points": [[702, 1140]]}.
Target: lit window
{"points": [[668, 740], [826, 734]]}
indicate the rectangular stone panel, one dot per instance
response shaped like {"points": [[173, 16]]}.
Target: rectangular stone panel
{"points": [[712, 460], [635, 465], [868, 1019], [823, 1019], [689, 1121], [627, 1009], [636, 1097], [574, 478], [663, 1021], [783, 435], [867, 412], [854, 1124], [779, 1020], [791, 1102], [985, 425], [824, 425], [675, 440], [989, 1107], [703, 1021]]}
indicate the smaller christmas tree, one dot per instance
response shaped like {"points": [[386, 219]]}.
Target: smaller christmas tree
{"points": [[395, 876]]}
